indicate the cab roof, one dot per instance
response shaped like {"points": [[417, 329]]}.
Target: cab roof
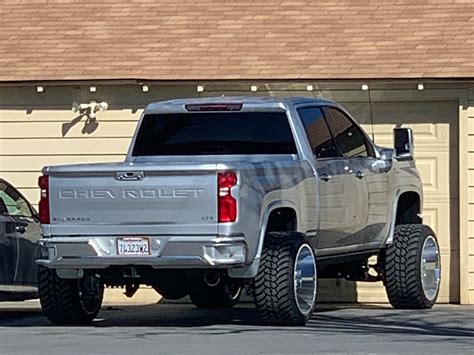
{"points": [[247, 101]]}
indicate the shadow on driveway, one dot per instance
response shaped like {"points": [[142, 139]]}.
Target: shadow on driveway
{"points": [[442, 321]]}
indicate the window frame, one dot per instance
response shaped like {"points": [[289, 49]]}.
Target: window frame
{"points": [[369, 145], [33, 213], [321, 108]]}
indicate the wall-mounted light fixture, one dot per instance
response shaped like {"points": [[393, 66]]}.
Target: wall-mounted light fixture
{"points": [[253, 88], [89, 109], [93, 89], [39, 89], [420, 87], [200, 88], [145, 88], [309, 88], [365, 87]]}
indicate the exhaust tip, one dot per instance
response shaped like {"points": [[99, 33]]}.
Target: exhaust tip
{"points": [[212, 278]]}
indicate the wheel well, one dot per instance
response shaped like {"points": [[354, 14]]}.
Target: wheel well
{"points": [[281, 220], [408, 208]]}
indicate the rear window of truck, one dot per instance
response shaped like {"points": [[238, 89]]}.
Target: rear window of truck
{"points": [[214, 133]]}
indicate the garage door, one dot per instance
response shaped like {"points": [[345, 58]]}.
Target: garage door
{"points": [[436, 151]]}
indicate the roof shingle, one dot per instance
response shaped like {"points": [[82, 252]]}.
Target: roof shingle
{"points": [[245, 39]]}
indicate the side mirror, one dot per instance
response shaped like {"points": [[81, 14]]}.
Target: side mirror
{"points": [[403, 143], [385, 159]]}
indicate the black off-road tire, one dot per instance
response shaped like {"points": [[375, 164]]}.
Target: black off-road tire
{"points": [[274, 293], [403, 279], [62, 301], [223, 295]]}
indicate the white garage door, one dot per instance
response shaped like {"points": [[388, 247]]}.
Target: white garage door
{"points": [[436, 151]]}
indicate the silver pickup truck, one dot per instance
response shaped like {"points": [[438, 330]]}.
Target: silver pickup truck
{"points": [[221, 195]]}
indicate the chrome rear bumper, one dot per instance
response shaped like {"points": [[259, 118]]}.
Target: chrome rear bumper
{"points": [[100, 252]]}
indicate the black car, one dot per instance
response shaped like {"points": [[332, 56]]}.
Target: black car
{"points": [[19, 234]]}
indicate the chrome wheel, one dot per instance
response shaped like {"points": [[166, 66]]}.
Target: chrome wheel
{"points": [[233, 291], [430, 267], [90, 293], [305, 283]]}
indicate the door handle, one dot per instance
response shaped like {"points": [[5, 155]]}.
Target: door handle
{"points": [[359, 174], [325, 177], [20, 229]]}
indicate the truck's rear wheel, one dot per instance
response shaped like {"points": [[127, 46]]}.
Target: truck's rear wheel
{"points": [[413, 267], [171, 289], [222, 295], [286, 284], [66, 301]]}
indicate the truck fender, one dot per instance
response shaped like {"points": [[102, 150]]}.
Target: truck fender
{"points": [[251, 270], [389, 239]]}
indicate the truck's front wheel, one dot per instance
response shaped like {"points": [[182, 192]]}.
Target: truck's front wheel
{"points": [[67, 301], [286, 283], [413, 267]]}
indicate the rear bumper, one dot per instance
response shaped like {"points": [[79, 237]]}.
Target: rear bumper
{"points": [[100, 252]]}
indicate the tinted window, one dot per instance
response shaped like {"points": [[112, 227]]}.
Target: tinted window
{"points": [[12, 203], [318, 133], [206, 133], [349, 139]]}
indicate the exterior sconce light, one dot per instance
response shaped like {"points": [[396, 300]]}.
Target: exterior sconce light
{"points": [[89, 109]]}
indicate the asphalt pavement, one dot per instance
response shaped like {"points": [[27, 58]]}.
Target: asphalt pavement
{"points": [[181, 328]]}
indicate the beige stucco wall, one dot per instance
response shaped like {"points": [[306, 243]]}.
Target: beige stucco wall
{"points": [[40, 129]]}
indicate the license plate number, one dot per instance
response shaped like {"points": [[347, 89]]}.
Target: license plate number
{"points": [[133, 246]]}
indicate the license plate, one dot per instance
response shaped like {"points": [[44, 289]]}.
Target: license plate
{"points": [[133, 246]]}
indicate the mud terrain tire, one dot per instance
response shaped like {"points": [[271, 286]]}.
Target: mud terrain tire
{"points": [[67, 301], [275, 286], [405, 284]]}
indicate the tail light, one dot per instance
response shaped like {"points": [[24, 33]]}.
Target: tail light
{"points": [[227, 205], [43, 183]]}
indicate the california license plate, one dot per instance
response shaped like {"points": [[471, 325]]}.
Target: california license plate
{"points": [[133, 246]]}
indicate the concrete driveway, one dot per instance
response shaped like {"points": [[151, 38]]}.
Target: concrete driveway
{"points": [[181, 328]]}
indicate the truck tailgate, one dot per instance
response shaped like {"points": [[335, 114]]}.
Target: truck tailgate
{"points": [[125, 199]]}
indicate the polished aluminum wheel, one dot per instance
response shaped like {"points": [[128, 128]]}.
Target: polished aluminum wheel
{"points": [[90, 291], [233, 291], [305, 280], [430, 267]]}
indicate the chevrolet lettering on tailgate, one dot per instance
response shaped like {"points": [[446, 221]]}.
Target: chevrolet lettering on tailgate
{"points": [[97, 194]]}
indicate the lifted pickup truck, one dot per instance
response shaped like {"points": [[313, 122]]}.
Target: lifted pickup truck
{"points": [[222, 195]]}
